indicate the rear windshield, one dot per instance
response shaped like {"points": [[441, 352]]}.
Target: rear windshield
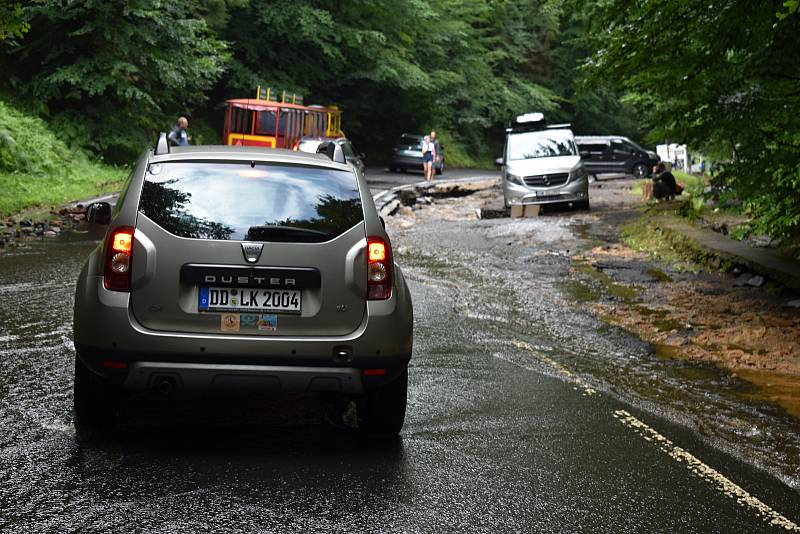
{"points": [[260, 203], [409, 140]]}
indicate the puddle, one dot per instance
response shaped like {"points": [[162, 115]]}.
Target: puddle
{"points": [[658, 274], [667, 325], [622, 292], [779, 388]]}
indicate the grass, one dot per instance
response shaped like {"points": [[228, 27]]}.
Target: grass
{"points": [[660, 242], [23, 192], [39, 171]]}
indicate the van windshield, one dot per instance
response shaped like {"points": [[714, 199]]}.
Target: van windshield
{"points": [[540, 144], [234, 201]]}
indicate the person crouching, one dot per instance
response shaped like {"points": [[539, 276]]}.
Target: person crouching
{"points": [[665, 187]]}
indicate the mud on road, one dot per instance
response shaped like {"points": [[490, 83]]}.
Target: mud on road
{"points": [[691, 346]]}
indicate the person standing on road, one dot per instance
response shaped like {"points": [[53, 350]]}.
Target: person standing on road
{"points": [[178, 136], [428, 155], [436, 150]]}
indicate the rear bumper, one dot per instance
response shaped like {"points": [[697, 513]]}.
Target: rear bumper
{"points": [[222, 378], [404, 162], [110, 341]]}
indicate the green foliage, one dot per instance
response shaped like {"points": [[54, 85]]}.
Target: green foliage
{"points": [[592, 110], [118, 70], [399, 66], [27, 145], [722, 79], [12, 22], [38, 169], [458, 155]]}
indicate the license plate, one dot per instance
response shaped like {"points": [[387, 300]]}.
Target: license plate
{"points": [[228, 299]]}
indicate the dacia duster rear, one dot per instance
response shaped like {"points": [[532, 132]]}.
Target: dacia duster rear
{"points": [[246, 269]]}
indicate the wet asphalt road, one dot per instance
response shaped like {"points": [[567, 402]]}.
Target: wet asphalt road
{"points": [[501, 435]]}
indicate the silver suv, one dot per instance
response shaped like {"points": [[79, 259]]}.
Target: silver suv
{"points": [[244, 269]]}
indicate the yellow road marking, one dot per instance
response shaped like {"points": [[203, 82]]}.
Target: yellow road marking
{"points": [[648, 433], [706, 472], [557, 367]]}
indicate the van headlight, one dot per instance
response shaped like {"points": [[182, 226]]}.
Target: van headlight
{"points": [[577, 173], [514, 179]]}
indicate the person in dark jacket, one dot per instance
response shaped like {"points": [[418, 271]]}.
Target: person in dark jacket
{"points": [[178, 136], [664, 184]]}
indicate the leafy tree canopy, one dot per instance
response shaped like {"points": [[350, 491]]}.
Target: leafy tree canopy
{"points": [[109, 70], [721, 76]]}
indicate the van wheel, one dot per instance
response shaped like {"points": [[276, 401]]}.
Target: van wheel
{"points": [[640, 171], [382, 411], [95, 400]]}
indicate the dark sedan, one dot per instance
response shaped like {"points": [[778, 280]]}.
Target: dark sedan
{"points": [[407, 155]]}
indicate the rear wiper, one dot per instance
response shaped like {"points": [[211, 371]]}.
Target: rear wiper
{"points": [[258, 233]]}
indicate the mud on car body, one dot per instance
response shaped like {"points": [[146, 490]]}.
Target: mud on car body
{"points": [[230, 268]]}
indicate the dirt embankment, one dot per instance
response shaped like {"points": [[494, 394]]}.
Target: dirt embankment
{"points": [[737, 320], [708, 317]]}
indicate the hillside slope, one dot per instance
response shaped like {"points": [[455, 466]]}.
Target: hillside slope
{"points": [[38, 170]]}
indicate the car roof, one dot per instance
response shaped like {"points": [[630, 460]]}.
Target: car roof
{"points": [[563, 130], [599, 137], [323, 138], [246, 153]]}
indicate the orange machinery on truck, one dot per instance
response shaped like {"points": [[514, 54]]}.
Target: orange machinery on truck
{"points": [[278, 120]]}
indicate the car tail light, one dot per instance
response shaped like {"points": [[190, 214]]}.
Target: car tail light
{"points": [[117, 266], [379, 269]]}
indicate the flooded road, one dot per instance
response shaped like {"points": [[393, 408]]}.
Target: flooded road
{"points": [[524, 415]]}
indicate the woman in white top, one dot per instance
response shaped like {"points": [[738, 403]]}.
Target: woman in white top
{"points": [[428, 157]]}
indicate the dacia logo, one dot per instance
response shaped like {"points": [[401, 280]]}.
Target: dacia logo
{"points": [[252, 251]]}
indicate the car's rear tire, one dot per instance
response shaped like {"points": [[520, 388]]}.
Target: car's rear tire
{"points": [[440, 170], [640, 171], [392, 169], [383, 411], [95, 400]]}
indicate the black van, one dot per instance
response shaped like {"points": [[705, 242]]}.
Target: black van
{"points": [[603, 154]]}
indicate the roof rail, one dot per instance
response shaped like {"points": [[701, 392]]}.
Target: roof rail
{"points": [[162, 145], [559, 126], [332, 150], [526, 122], [282, 97]]}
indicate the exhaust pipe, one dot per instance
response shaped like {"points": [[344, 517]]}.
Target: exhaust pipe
{"points": [[165, 385]]}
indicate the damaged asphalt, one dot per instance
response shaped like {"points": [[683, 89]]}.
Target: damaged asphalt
{"points": [[526, 413]]}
